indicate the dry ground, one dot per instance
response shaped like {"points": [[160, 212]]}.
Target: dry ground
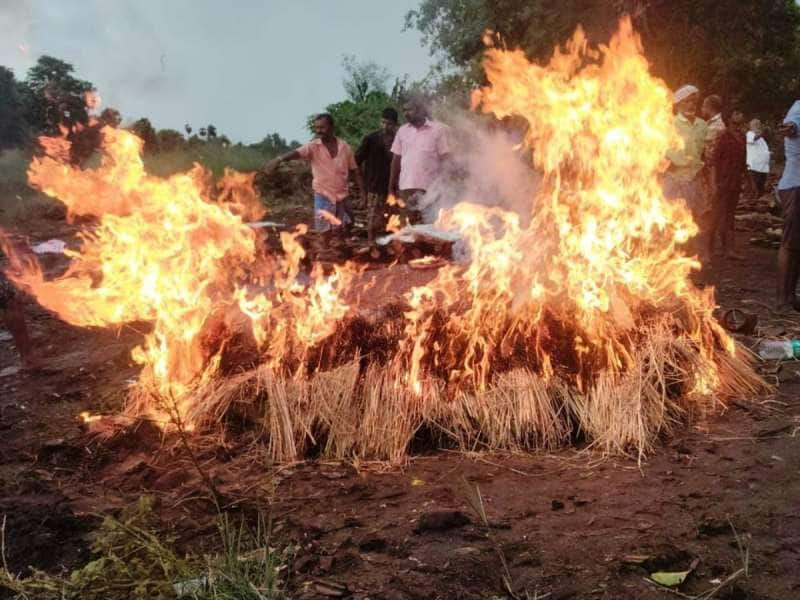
{"points": [[569, 524]]}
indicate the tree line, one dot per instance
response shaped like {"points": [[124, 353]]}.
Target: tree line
{"points": [[746, 52], [52, 99]]}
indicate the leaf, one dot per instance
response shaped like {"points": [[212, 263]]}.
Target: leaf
{"points": [[669, 578], [417, 482]]}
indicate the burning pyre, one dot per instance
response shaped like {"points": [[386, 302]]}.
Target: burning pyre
{"points": [[581, 321]]}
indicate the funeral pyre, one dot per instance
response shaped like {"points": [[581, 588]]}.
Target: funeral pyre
{"points": [[580, 321]]}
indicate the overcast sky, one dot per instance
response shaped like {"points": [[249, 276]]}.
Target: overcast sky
{"points": [[248, 66]]}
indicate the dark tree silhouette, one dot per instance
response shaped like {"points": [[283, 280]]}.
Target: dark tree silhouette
{"points": [[53, 96]]}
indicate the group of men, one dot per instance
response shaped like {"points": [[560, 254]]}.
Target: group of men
{"points": [[709, 170], [401, 161]]}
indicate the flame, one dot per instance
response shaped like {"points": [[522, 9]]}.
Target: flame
{"points": [[87, 417], [603, 248], [393, 223], [165, 251], [569, 292]]}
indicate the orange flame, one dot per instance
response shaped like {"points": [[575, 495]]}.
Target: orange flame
{"points": [[567, 292], [603, 246], [164, 251]]}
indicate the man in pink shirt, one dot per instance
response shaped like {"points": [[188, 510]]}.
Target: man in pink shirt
{"points": [[332, 161], [420, 150]]}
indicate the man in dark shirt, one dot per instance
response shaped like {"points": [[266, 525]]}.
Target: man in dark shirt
{"points": [[374, 158], [729, 165]]}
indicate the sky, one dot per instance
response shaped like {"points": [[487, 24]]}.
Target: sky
{"points": [[249, 67]]}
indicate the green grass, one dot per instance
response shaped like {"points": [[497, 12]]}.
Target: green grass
{"points": [[214, 157], [133, 559], [284, 189], [18, 202]]}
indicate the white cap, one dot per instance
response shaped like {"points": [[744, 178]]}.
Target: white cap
{"points": [[683, 93]]}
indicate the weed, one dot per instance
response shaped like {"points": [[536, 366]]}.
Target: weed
{"points": [[134, 560]]}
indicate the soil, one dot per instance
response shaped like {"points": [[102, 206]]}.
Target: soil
{"points": [[570, 524]]}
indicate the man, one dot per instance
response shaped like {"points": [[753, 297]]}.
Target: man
{"points": [[420, 150], [683, 178], [728, 166], [758, 156], [14, 319], [331, 161], [712, 112], [789, 191], [374, 158]]}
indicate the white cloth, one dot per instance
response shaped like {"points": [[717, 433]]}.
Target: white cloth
{"points": [[683, 93], [757, 153]]}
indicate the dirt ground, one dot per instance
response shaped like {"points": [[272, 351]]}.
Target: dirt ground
{"points": [[570, 524]]}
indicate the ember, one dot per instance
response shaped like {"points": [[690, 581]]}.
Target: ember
{"points": [[583, 319]]}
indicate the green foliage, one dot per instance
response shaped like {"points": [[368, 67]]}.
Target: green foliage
{"points": [[215, 156], [745, 51], [362, 78], [274, 145], [12, 125], [367, 88], [52, 96], [110, 117], [354, 120], [133, 560], [145, 131], [169, 140]]}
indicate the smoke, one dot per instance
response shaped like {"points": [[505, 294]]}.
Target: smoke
{"points": [[488, 166]]}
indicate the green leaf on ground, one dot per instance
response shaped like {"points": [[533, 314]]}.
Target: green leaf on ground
{"points": [[669, 579]]}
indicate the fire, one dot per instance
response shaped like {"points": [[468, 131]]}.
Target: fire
{"points": [[603, 248], [583, 308], [163, 251]]}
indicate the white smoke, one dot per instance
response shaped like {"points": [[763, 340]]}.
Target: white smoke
{"points": [[488, 166]]}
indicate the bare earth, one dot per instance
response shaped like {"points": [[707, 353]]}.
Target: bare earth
{"points": [[572, 524]]}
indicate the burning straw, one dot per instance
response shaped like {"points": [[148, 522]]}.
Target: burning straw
{"points": [[577, 321]]}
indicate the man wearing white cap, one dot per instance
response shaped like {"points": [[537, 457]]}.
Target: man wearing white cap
{"points": [[683, 179]]}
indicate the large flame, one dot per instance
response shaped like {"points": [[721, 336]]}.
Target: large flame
{"points": [[166, 252], [604, 251], [573, 292]]}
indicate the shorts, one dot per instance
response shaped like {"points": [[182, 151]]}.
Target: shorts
{"points": [[790, 207], [330, 215], [7, 292]]}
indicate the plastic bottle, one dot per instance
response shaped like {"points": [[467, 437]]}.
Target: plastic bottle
{"points": [[779, 349]]}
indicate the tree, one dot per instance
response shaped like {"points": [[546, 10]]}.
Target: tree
{"points": [[211, 132], [723, 46], [52, 96], [145, 131], [110, 117], [354, 120], [274, 145], [12, 123], [367, 88], [169, 140], [363, 77]]}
